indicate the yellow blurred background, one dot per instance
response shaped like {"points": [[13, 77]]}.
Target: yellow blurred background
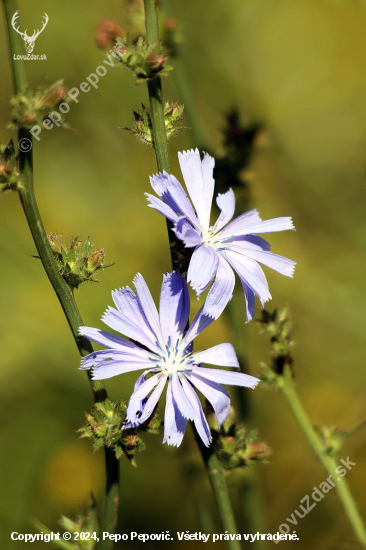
{"points": [[298, 67]]}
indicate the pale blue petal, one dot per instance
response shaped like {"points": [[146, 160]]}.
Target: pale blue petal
{"points": [[118, 321], [162, 208], [240, 225], [249, 301], [198, 177], [226, 377], [148, 305], [102, 355], [202, 268], [199, 418], [185, 232], [149, 405], [221, 291], [134, 411], [174, 307], [257, 226], [108, 369], [108, 339], [222, 354], [180, 397], [174, 423], [172, 193], [128, 304], [252, 241], [282, 265], [250, 272], [199, 323], [141, 379], [226, 203], [216, 394]]}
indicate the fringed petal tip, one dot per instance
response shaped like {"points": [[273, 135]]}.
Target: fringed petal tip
{"points": [[82, 364], [291, 225], [189, 152], [137, 278], [255, 383]]}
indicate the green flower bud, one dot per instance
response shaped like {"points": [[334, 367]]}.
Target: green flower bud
{"points": [[77, 263], [104, 425], [146, 61], [31, 107], [237, 448], [142, 128], [9, 171]]}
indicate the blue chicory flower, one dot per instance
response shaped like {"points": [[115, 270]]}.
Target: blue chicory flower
{"points": [[163, 350], [223, 247]]}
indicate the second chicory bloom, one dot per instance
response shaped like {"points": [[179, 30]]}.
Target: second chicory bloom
{"points": [[223, 247], [164, 352]]}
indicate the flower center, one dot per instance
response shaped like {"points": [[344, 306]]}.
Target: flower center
{"points": [[209, 237], [173, 359]]}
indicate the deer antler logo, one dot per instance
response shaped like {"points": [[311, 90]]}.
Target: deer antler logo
{"points": [[29, 40]]}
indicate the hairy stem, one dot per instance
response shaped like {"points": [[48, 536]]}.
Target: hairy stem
{"points": [[216, 475], [215, 471], [61, 288], [328, 462]]}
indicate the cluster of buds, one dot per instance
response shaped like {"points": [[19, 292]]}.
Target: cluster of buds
{"points": [[278, 327], [33, 107], [107, 33], [9, 170], [237, 448], [142, 128], [77, 262], [332, 438], [104, 425], [86, 525], [146, 61]]}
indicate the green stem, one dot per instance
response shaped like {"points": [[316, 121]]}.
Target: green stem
{"points": [[160, 141], [61, 288], [16, 47], [216, 475], [215, 471], [330, 465]]}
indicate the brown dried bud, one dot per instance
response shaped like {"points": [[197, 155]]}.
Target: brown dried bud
{"points": [[171, 24], [54, 95], [155, 60], [5, 171], [30, 118], [257, 450], [107, 32]]}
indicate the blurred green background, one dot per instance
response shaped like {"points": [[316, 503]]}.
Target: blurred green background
{"points": [[300, 68]]}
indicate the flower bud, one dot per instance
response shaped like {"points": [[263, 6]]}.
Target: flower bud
{"points": [[9, 171], [32, 107], [77, 263], [55, 95], [107, 32], [104, 429], [154, 61], [257, 451], [5, 172]]}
